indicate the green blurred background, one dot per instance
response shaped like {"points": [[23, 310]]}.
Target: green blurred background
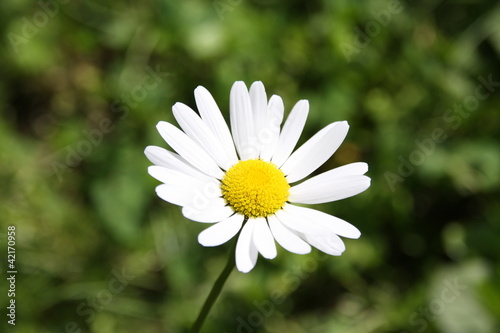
{"points": [[98, 251]]}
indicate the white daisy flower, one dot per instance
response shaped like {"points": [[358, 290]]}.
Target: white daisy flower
{"points": [[245, 179]]}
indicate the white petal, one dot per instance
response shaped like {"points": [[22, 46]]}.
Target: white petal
{"points": [[328, 187], [332, 223], [211, 115], [298, 223], [258, 99], [316, 233], [172, 177], [263, 239], [351, 169], [173, 161], [286, 238], [185, 190], [269, 135], [246, 252], [161, 156], [331, 244], [221, 232], [242, 125], [206, 210], [315, 151], [188, 149], [177, 195], [291, 132], [197, 130]]}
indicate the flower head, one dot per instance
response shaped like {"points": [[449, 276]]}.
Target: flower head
{"points": [[243, 181]]}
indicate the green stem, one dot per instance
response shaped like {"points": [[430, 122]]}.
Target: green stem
{"points": [[214, 293]]}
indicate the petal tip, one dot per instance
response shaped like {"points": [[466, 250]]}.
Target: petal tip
{"points": [[271, 255], [204, 241], [239, 85], [161, 124], [243, 268], [148, 150]]}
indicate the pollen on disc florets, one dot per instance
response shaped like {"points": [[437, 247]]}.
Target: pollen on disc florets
{"points": [[255, 188]]}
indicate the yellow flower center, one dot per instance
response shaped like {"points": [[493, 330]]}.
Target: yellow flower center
{"points": [[255, 188]]}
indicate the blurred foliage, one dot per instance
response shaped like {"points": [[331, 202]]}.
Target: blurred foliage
{"points": [[98, 251]]}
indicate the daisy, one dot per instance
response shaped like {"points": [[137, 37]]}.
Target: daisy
{"points": [[247, 181]]}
